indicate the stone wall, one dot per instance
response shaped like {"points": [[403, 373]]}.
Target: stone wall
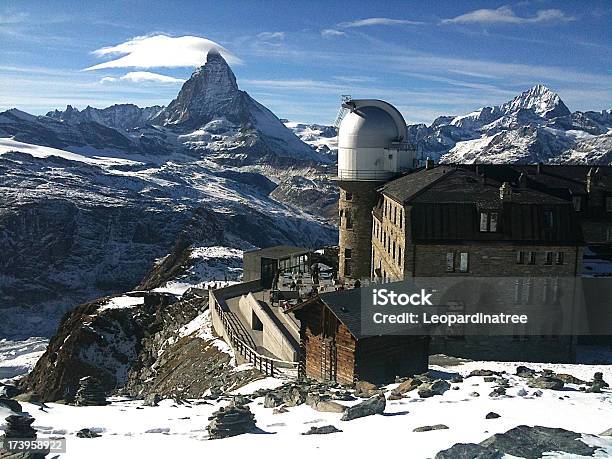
{"points": [[357, 237]]}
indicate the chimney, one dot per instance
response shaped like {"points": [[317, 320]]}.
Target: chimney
{"points": [[505, 192], [429, 163]]}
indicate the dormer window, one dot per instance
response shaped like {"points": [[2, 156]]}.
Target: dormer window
{"points": [[488, 222]]}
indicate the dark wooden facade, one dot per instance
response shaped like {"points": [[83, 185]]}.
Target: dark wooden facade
{"points": [[333, 351]]}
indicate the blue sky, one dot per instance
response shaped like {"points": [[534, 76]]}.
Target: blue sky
{"points": [[298, 58]]}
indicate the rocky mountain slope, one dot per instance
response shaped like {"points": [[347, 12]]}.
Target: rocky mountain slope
{"points": [[535, 126], [92, 198]]}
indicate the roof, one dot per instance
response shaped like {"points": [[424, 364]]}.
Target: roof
{"points": [[278, 251], [345, 304]]}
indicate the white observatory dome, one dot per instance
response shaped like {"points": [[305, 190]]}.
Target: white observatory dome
{"points": [[371, 128], [370, 141]]}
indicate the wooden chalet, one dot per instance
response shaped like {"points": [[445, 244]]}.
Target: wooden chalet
{"points": [[334, 349]]}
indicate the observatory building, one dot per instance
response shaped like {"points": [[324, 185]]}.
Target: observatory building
{"points": [[371, 151]]}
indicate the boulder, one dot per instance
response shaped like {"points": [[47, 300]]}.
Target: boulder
{"points": [[87, 433], [8, 391], [12, 405], [468, 451], [522, 392], [569, 379], [407, 385], [437, 387], [364, 389], [546, 382], [492, 415], [324, 404], [231, 421], [323, 430], [152, 400], [90, 393], [483, 373], [371, 406], [474, 394], [428, 428], [273, 400], [525, 372], [18, 426], [457, 379], [533, 442], [498, 391]]}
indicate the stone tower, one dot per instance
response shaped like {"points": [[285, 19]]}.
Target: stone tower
{"points": [[371, 150]]}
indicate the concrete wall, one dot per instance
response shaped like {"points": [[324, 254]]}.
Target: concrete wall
{"points": [[275, 340]]}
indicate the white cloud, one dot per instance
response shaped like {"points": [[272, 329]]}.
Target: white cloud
{"points": [[506, 15], [331, 33], [143, 77], [266, 36], [377, 21], [161, 51]]}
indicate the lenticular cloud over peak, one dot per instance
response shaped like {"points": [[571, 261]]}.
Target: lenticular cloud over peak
{"points": [[152, 51]]}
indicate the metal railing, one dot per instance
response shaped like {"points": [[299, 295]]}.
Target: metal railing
{"points": [[267, 365]]}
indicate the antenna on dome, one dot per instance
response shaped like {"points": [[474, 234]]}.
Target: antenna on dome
{"points": [[344, 109]]}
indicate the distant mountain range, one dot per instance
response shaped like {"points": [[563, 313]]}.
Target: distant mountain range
{"points": [[535, 126]]}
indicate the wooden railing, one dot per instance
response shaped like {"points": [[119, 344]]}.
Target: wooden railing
{"points": [[267, 365]]}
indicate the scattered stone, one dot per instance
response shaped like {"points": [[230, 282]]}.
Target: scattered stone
{"points": [[455, 388], [474, 394], [408, 385], [272, 400], [598, 383], [280, 410], [8, 391], [323, 430], [533, 442], [230, 421], [606, 433], [324, 404], [343, 396], [90, 393], [364, 389], [394, 396], [522, 392], [152, 400], [546, 382], [525, 372], [12, 405], [457, 379], [371, 406], [492, 415], [428, 428], [86, 433], [537, 393], [437, 387], [483, 373], [490, 378], [18, 426], [569, 379], [468, 451], [498, 391]]}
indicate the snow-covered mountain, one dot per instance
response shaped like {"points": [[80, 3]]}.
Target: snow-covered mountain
{"points": [[535, 126], [321, 137], [90, 199]]}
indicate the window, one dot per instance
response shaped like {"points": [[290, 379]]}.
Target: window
{"points": [[348, 269], [488, 222], [520, 257], [463, 262], [450, 262], [347, 253], [548, 218], [393, 250], [394, 215], [401, 217], [549, 258], [399, 256], [349, 196], [349, 219], [560, 257], [577, 201], [532, 258]]}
